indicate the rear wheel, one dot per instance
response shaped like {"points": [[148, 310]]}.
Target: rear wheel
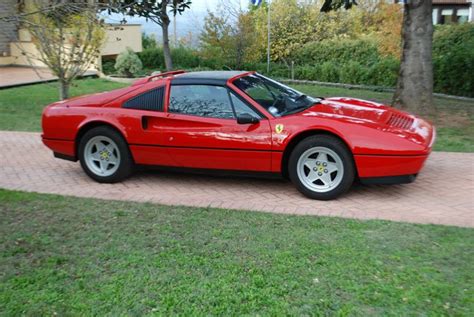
{"points": [[321, 167], [104, 155]]}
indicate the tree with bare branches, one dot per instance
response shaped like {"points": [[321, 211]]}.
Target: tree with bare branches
{"points": [[67, 35], [156, 11]]}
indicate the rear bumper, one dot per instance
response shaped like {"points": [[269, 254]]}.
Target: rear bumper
{"points": [[370, 166], [64, 149]]}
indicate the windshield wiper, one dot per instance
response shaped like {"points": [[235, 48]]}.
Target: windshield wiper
{"points": [[294, 110], [299, 108], [300, 97]]}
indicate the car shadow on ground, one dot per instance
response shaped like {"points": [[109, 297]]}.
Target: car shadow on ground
{"points": [[258, 181]]}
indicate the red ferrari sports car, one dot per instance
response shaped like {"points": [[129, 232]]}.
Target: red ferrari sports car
{"points": [[240, 121]]}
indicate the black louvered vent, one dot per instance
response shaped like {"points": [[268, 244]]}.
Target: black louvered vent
{"points": [[150, 100]]}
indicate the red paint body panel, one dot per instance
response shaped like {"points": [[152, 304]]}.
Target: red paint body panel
{"points": [[383, 140], [379, 165], [61, 146]]}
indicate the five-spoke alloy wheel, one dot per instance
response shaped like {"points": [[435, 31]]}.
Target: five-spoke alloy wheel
{"points": [[321, 167], [104, 155]]}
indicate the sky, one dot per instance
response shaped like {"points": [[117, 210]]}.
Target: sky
{"points": [[189, 24]]}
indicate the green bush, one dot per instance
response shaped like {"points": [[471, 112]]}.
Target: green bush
{"points": [[352, 61], [128, 63], [153, 58], [330, 72], [353, 73], [184, 57], [363, 51], [384, 73], [148, 41], [453, 59], [346, 61], [108, 66]]}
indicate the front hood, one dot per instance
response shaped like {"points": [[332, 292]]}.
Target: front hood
{"points": [[376, 116], [362, 111], [351, 108]]}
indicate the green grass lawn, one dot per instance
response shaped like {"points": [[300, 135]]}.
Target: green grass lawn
{"points": [[73, 256], [21, 109]]}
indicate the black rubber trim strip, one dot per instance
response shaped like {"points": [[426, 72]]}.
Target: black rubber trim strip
{"points": [[65, 157], [212, 172], [389, 180], [203, 148], [399, 155], [54, 139]]}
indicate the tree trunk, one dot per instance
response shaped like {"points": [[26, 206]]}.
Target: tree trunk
{"points": [[415, 79], [166, 47], [165, 22], [63, 90]]}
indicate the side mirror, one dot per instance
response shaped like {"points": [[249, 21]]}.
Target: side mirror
{"points": [[246, 118]]}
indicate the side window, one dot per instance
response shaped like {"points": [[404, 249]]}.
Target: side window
{"points": [[201, 100], [150, 100], [241, 107]]}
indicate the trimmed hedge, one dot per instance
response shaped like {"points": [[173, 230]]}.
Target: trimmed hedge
{"points": [[383, 73], [363, 51], [351, 61], [153, 58], [453, 59], [348, 61]]}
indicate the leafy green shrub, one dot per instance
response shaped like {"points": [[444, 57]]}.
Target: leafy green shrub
{"points": [[108, 66], [153, 58], [185, 57], [350, 61], [128, 63], [148, 41], [363, 51], [353, 61], [353, 73], [384, 73], [330, 72], [307, 72], [453, 59]]}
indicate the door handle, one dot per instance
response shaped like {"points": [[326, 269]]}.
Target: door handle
{"points": [[144, 123]]}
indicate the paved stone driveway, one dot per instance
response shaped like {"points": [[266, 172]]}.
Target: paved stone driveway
{"points": [[442, 194]]}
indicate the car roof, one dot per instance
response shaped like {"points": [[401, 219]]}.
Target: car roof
{"points": [[206, 77]]}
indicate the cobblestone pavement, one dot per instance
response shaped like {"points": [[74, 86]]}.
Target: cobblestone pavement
{"points": [[442, 194]]}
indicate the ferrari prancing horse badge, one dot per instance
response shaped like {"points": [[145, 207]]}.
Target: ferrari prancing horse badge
{"points": [[279, 128]]}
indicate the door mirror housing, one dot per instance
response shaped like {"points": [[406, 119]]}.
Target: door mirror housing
{"points": [[246, 118]]}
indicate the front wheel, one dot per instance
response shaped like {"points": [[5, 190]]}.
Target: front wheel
{"points": [[104, 155], [321, 167]]}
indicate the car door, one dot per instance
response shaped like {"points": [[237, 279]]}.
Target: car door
{"points": [[142, 116], [201, 130]]}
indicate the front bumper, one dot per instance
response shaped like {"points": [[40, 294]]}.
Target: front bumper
{"points": [[369, 166]]}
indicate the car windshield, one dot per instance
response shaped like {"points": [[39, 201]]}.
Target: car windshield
{"points": [[276, 98]]}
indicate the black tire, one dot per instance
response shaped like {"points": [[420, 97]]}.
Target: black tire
{"points": [[125, 165], [337, 146]]}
